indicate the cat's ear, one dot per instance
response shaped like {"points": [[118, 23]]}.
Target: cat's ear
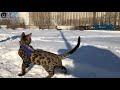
{"points": [[23, 34], [29, 36]]}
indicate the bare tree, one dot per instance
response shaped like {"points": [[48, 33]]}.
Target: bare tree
{"points": [[115, 18], [94, 18]]}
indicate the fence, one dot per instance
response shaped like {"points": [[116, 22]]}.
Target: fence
{"points": [[80, 20]]}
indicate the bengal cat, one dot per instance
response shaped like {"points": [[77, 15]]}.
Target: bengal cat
{"points": [[48, 60]]}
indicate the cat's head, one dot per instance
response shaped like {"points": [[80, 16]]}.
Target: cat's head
{"points": [[25, 39]]}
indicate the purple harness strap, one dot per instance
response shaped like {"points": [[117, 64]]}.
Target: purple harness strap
{"points": [[27, 50]]}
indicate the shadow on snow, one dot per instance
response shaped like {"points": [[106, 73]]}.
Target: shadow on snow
{"points": [[13, 37], [87, 58]]}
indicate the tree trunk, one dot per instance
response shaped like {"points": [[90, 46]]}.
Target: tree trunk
{"points": [[94, 18]]}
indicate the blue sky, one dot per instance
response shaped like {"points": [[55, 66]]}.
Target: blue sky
{"points": [[14, 13]]}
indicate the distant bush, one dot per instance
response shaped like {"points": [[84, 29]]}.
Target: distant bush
{"points": [[83, 28], [13, 23]]}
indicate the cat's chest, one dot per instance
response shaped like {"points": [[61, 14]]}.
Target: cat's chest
{"points": [[21, 52]]}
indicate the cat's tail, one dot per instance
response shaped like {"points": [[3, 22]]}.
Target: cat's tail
{"points": [[62, 56]]}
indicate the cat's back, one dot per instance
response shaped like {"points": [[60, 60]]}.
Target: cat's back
{"points": [[45, 53]]}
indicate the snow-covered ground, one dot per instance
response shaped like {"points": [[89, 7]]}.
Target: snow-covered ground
{"points": [[97, 57]]}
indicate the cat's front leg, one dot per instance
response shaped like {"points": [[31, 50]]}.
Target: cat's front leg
{"points": [[23, 72]]}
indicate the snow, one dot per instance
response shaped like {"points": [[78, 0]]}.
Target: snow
{"points": [[97, 57]]}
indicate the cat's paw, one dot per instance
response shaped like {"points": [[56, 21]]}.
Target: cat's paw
{"points": [[21, 74]]}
